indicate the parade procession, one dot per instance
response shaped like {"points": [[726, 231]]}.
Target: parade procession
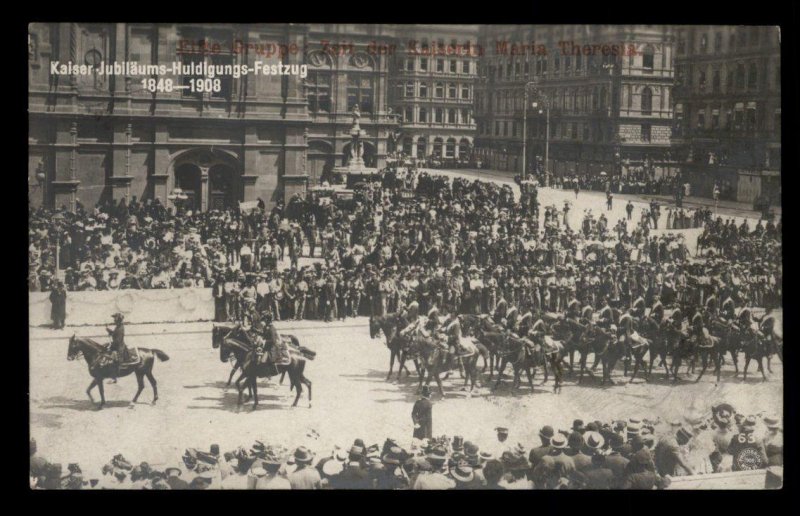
{"points": [[569, 330]]}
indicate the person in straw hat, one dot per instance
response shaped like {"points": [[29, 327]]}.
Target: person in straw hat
{"points": [[305, 476]]}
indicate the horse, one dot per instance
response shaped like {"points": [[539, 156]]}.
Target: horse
{"points": [[253, 369], [487, 334], [389, 324], [729, 334], [754, 349], [603, 343], [659, 343], [527, 355], [436, 359], [221, 332], [101, 367]]}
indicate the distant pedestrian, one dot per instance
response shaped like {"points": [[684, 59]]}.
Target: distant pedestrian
{"points": [[629, 209], [609, 200]]}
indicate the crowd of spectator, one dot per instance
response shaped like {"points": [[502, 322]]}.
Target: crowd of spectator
{"points": [[636, 453]]}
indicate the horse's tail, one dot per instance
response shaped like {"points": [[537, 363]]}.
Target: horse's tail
{"points": [[160, 355]]}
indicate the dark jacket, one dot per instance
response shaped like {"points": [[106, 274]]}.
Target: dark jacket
{"points": [[58, 300], [422, 414]]}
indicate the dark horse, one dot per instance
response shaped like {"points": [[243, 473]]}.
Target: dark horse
{"points": [[389, 325], [253, 369], [436, 359], [221, 332], [101, 366]]}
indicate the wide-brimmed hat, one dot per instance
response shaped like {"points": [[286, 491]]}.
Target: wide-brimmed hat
{"points": [[332, 467], [303, 454], [684, 433], [501, 430], [173, 468], [772, 421], [463, 472], [436, 454], [594, 440], [558, 441], [547, 432]]}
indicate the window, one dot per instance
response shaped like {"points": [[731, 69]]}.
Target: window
{"points": [[408, 115], [681, 44], [497, 128], [451, 90], [439, 90], [464, 91], [648, 57], [410, 65], [647, 101], [574, 131], [319, 91], [423, 89], [717, 42], [439, 115], [360, 92], [423, 64], [451, 116], [440, 65], [453, 64], [701, 119], [646, 129], [141, 46], [703, 43], [701, 81], [752, 77], [437, 147], [409, 89], [505, 128], [715, 119], [465, 67], [740, 76], [715, 82], [450, 148], [465, 118], [751, 116], [423, 115], [556, 63], [421, 144]]}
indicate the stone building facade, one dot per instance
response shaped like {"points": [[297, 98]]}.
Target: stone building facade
{"points": [[433, 90], [728, 109], [96, 137], [608, 88]]}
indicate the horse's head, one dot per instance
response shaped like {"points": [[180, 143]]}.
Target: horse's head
{"points": [[74, 350]]}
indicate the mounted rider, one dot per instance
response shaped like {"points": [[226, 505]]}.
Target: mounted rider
{"points": [[728, 309], [459, 346], [711, 305], [767, 327], [410, 315], [699, 330], [606, 314], [118, 349], [269, 342]]}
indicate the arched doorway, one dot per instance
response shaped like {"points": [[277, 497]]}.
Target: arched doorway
{"points": [[221, 189], [187, 178], [320, 161]]}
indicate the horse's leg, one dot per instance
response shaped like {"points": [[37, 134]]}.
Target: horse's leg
{"points": [[391, 365], [280, 381], [571, 357], [718, 364], [530, 378], [439, 383], [102, 394], [140, 382], [763, 372], [240, 387], [746, 364], [295, 379], [153, 384], [236, 366], [735, 359], [635, 366], [89, 389], [254, 385], [500, 371]]}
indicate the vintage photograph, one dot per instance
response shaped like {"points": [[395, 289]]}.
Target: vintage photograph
{"points": [[404, 257]]}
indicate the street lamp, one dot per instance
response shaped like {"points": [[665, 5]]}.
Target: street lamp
{"points": [[541, 104]]}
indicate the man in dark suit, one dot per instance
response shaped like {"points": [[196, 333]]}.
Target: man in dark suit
{"points": [[422, 415], [58, 300]]}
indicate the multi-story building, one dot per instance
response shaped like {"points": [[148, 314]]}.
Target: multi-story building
{"points": [[100, 137], [608, 89], [728, 109], [432, 90]]}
